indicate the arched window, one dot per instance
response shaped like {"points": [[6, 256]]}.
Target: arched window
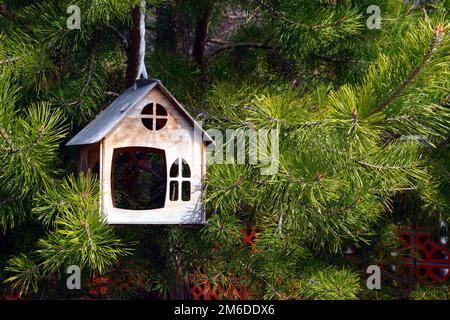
{"points": [[180, 175], [154, 116]]}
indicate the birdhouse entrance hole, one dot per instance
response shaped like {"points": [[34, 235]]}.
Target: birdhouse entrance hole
{"points": [[139, 178]]}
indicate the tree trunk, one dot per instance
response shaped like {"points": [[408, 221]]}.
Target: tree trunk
{"points": [[165, 29], [201, 32], [133, 48]]}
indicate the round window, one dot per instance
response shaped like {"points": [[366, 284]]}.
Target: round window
{"points": [[154, 116]]}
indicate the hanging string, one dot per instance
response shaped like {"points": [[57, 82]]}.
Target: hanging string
{"points": [[142, 70]]}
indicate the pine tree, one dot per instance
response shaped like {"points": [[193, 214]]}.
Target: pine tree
{"points": [[363, 117]]}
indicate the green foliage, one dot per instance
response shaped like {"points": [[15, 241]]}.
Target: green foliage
{"points": [[174, 71], [327, 283], [228, 186], [362, 114], [71, 195], [106, 11], [430, 293], [26, 274], [33, 148], [344, 153], [29, 141], [81, 235], [299, 32], [344, 157]]}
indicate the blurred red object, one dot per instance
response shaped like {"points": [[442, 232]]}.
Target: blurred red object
{"points": [[12, 295], [426, 259], [205, 290]]}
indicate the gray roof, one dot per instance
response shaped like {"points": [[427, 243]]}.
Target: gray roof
{"points": [[106, 120]]}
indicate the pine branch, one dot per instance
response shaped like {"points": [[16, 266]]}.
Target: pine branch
{"points": [[5, 201], [343, 61], [229, 46], [25, 272], [271, 10], [438, 36], [9, 60], [37, 140], [10, 146], [274, 290], [443, 143], [313, 27], [342, 209], [316, 123], [381, 167], [446, 100], [120, 36], [84, 89]]}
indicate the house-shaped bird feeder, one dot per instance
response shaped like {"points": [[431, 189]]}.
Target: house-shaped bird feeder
{"points": [[150, 156]]}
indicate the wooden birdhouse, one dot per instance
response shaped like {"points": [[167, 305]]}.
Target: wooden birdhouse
{"points": [[150, 155]]}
